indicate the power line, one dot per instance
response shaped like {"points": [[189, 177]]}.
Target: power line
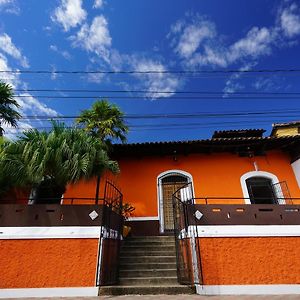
{"points": [[175, 115], [223, 97], [165, 126], [292, 70], [154, 92]]}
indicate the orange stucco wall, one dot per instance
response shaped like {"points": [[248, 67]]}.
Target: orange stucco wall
{"points": [[214, 175], [271, 260], [48, 263]]}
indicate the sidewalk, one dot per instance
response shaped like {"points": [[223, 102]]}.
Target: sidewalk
{"points": [[178, 297]]}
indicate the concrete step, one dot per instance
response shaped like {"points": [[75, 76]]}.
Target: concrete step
{"points": [[148, 273], [146, 290], [147, 259], [147, 253], [151, 239], [159, 238], [149, 243], [144, 265], [127, 248], [136, 281]]}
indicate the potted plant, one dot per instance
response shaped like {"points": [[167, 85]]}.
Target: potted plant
{"points": [[127, 212]]}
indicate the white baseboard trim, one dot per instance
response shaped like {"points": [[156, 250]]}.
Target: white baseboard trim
{"points": [[251, 289], [143, 219], [243, 230], [54, 232], [49, 292]]}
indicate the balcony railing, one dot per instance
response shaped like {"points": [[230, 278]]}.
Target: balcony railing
{"points": [[240, 200]]}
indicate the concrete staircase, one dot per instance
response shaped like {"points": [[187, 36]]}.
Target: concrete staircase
{"points": [[148, 266]]}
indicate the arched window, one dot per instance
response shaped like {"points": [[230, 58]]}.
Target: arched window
{"points": [[260, 190], [260, 187]]}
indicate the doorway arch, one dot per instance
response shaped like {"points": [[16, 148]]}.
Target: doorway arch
{"points": [[168, 182]]}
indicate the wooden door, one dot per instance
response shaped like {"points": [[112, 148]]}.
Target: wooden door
{"points": [[168, 189]]}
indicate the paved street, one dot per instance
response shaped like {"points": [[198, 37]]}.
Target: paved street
{"points": [[178, 297]]}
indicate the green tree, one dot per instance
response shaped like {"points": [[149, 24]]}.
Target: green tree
{"points": [[8, 106], [106, 122], [49, 161], [5, 178]]}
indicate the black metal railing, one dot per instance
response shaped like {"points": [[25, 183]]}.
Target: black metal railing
{"points": [[110, 238], [187, 248], [190, 212], [242, 200]]}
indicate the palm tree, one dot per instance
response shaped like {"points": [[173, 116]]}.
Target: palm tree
{"points": [[5, 181], [49, 161], [8, 114], [106, 122]]}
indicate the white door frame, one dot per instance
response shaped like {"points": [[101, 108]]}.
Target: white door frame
{"points": [[160, 204]]}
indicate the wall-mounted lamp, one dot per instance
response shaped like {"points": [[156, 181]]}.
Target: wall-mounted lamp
{"points": [[175, 155]]}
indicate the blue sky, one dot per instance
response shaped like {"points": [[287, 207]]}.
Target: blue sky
{"points": [[168, 35]]}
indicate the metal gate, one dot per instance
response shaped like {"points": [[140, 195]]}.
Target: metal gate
{"points": [[110, 236], [187, 244]]}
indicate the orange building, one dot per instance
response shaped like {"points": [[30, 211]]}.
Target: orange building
{"points": [[233, 167], [232, 202]]}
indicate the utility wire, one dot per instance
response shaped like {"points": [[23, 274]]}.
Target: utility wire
{"points": [[164, 126], [154, 92], [292, 70], [175, 115], [223, 97]]}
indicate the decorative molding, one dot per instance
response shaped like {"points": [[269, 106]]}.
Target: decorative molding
{"points": [[50, 292], [260, 174], [253, 289], [54, 232], [243, 231], [160, 196]]}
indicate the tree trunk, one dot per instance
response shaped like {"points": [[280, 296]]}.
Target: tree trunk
{"points": [[97, 189]]}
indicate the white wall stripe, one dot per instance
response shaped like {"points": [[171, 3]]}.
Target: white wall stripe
{"points": [[54, 232], [253, 289], [243, 230], [50, 292], [156, 218]]}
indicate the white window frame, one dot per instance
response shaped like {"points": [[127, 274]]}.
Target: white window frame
{"points": [[160, 203], [264, 174]]}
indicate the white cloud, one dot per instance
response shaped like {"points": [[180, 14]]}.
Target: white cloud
{"points": [[154, 81], [11, 132], [98, 3], [9, 6], [192, 37], [69, 14], [11, 78], [29, 104], [257, 42], [231, 84], [63, 53], [187, 38], [195, 40], [95, 38], [7, 46], [211, 56], [290, 20]]}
